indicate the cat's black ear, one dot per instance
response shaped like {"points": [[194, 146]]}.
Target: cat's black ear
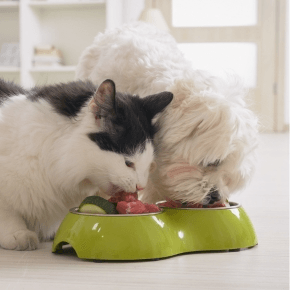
{"points": [[155, 104], [103, 102]]}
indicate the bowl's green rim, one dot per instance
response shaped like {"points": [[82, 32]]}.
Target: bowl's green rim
{"points": [[232, 206], [74, 210]]}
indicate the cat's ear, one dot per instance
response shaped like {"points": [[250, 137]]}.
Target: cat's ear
{"points": [[103, 101], [155, 104]]}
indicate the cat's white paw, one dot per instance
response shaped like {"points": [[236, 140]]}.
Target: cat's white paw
{"points": [[23, 240]]}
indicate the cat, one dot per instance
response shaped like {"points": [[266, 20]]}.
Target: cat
{"points": [[61, 143]]}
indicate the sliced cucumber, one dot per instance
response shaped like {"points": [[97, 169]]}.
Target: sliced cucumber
{"points": [[91, 208], [97, 205]]}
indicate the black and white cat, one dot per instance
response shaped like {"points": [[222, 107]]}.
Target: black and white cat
{"points": [[59, 144]]}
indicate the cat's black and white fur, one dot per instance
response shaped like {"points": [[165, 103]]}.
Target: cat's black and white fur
{"points": [[59, 144]]}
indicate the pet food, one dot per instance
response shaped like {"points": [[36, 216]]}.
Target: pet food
{"points": [[178, 204], [128, 203], [124, 196], [132, 207]]}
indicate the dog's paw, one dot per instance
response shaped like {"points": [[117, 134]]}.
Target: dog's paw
{"points": [[23, 240]]}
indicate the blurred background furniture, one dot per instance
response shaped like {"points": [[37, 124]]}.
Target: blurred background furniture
{"points": [[249, 37]]}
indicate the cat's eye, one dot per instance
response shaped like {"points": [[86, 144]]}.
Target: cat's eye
{"points": [[216, 163], [129, 164]]}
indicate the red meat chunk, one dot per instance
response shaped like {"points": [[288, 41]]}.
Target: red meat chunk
{"points": [[217, 204], [152, 207], [129, 197], [113, 199], [128, 203], [193, 205], [133, 207], [171, 203], [124, 196]]}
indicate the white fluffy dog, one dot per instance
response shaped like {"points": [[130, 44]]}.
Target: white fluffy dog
{"points": [[205, 146]]}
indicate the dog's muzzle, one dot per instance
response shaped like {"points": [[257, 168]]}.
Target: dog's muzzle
{"points": [[213, 196]]}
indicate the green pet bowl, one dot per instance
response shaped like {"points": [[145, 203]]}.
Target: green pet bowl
{"points": [[171, 232]]}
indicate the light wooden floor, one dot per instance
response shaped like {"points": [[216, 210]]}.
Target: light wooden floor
{"points": [[266, 266]]}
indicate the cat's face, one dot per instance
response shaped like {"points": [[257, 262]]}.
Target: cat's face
{"points": [[119, 134], [121, 172]]}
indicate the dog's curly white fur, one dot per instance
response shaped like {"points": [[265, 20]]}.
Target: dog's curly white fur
{"points": [[208, 136]]}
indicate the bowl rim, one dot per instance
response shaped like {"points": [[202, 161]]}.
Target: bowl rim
{"points": [[74, 210], [231, 203]]}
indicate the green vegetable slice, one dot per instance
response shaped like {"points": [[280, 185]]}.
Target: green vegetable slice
{"points": [[97, 205]]}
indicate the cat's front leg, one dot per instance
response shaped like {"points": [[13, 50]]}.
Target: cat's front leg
{"points": [[14, 234]]}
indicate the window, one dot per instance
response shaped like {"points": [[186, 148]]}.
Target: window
{"points": [[241, 36]]}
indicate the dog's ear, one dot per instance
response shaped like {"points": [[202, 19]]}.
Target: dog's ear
{"points": [[103, 101], [155, 104]]}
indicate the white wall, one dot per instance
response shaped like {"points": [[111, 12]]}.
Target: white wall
{"points": [[132, 9], [123, 11], [287, 77]]}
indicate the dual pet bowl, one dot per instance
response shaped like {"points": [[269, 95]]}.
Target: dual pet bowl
{"points": [[171, 232]]}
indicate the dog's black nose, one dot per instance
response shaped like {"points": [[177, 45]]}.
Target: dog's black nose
{"points": [[214, 196]]}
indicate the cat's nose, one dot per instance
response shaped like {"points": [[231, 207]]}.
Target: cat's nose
{"points": [[138, 187]]}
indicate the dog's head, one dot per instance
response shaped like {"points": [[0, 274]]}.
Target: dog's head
{"points": [[207, 140]]}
